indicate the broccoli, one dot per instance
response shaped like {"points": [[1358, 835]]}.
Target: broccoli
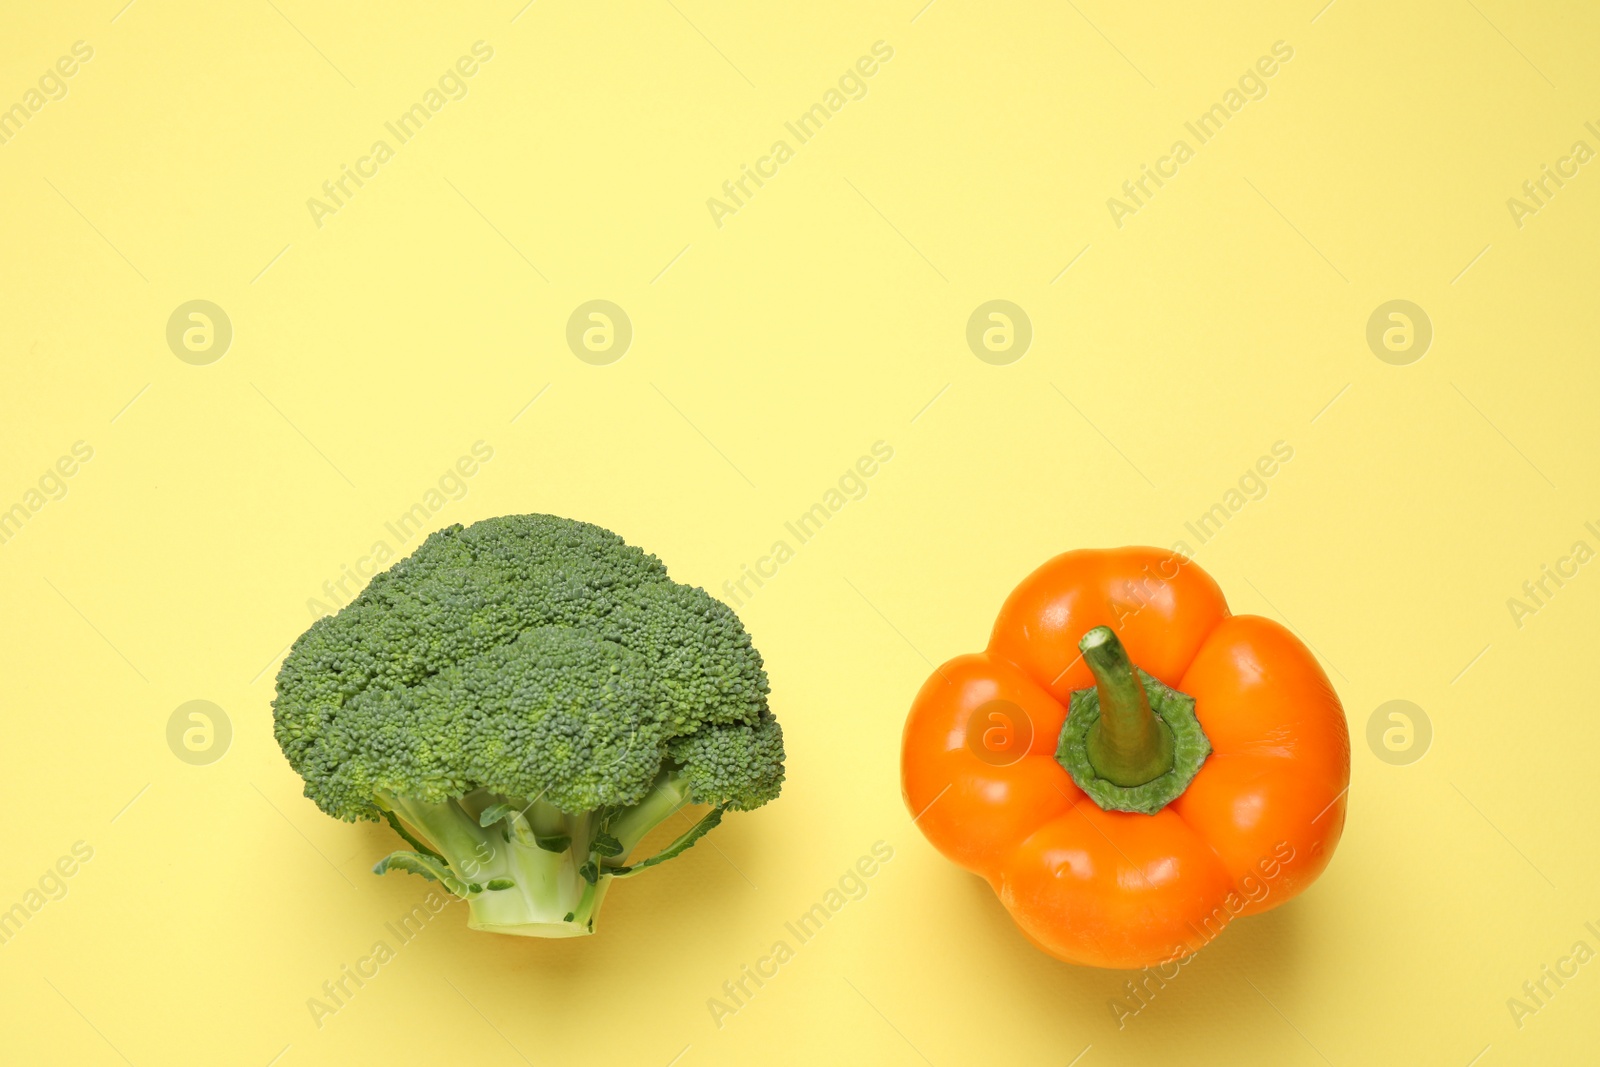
{"points": [[523, 700]]}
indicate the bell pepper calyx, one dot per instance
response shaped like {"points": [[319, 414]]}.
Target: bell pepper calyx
{"points": [[1130, 742]]}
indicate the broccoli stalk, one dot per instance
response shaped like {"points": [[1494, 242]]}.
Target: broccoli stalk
{"points": [[523, 700], [526, 867], [512, 883]]}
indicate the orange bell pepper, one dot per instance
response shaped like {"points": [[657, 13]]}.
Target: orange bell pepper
{"points": [[1203, 781]]}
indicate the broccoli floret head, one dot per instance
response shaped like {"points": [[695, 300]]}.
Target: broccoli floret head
{"points": [[523, 699]]}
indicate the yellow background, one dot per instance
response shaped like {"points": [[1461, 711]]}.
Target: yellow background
{"points": [[768, 355]]}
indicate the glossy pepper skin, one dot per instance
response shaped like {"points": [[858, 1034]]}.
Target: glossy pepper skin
{"points": [[1254, 828]]}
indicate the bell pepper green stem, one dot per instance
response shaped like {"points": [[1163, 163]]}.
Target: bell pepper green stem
{"points": [[1130, 745]]}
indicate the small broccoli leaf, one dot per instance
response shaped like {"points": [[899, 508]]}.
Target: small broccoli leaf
{"points": [[427, 866], [569, 917], [590, 872], [500, 883], [684, 842], [553, 842], [412, 841], [475, 887], [606, 845], [494, 813]]}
